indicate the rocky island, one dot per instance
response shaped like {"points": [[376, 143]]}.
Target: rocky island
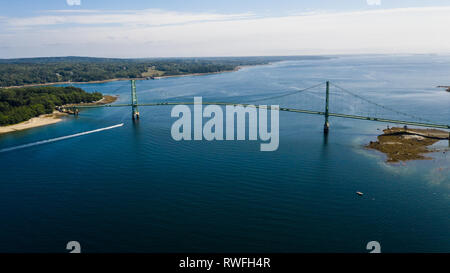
{"points": [[403, 144]]}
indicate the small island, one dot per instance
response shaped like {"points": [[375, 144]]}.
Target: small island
{"points": [[403, 144], [29, 107]]}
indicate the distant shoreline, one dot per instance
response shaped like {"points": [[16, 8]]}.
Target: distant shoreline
{"points": [[127, 79], [107, 99], [199, 74]]}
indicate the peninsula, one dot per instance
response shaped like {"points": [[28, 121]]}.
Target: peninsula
{"points": [[25, 108]]}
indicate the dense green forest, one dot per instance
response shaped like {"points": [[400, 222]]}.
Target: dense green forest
{"points": [[17, 72], [20, 104]]}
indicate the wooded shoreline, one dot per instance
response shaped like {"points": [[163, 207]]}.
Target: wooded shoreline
{"points": [[48, 119], [125, 79]]}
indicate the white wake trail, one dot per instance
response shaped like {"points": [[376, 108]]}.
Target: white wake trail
{"points": [[59, 138]]}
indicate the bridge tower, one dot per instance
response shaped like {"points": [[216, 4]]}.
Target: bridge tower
{"points": [[135, 112], [326, 126]]}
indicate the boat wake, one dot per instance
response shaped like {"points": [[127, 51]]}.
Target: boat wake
{"points": [[58, 138]]}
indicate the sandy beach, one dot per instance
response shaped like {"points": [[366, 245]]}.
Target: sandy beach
{"points": [[42, 120]]}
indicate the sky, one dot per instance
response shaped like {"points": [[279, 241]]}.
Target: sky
{"points": [[200, 28]]}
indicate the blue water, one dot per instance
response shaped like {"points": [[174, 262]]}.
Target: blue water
{"points": [[135, 189]]}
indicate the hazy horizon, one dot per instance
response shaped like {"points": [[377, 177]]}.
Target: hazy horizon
{"points": [[162, 29], [237, 56]]}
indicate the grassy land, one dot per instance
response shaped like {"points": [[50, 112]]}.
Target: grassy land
{"points": [[152, 72]]}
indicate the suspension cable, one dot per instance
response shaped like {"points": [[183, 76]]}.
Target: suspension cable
{"points": [[379, 105], [289, 93]]}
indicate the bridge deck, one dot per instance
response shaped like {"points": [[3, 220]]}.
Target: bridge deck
{"points": [[413, 123]]}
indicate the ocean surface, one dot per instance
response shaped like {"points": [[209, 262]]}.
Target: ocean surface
{"points": [[135, 189]]}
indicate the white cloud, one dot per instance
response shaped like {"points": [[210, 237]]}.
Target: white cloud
{"points": [[373, 2], [71, 11], [73, 2], [151, 33], [152, 17]]}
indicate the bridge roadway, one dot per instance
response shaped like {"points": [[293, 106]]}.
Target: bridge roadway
{"points": [[413, 123]]}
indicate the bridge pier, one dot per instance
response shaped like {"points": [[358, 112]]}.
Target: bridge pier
{"points": [[135, 115], [134, 108], [326, 126]]}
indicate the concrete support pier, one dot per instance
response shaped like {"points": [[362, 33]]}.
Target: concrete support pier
{"points": [[326, 126]]}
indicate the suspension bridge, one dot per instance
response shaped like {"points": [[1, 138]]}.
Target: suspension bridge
{"points": [[325, 111]]}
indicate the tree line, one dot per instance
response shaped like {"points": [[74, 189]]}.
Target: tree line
{"points": [[18, 72]]}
